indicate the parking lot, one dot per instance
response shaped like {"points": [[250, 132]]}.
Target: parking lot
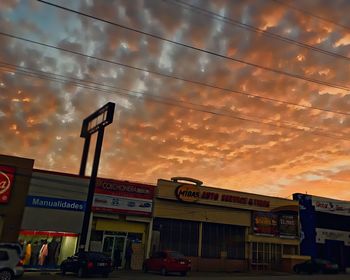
{"points": [[193, 275]]}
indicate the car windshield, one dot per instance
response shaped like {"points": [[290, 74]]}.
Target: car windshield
{"points": [[176, 255]]}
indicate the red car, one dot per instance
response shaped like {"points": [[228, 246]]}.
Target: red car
{"points": [[167, 261]]}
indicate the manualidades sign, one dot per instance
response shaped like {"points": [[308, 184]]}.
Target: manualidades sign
{"points": [[55, 203]]}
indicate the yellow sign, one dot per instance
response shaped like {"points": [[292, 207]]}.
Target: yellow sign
{"points": [[187, 193]]}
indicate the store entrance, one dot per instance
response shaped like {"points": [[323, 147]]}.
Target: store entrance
{"points": [[112, 244]]}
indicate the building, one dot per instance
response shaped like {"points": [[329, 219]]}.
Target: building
{"points": [[325, 228], [15, 174], [224, 230], [53, 214], [122, 215]]}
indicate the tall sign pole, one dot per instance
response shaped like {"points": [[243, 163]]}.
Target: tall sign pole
{"points": [[96, 122]]}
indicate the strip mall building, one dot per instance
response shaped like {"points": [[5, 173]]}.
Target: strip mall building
{"points": [[225, 230]]}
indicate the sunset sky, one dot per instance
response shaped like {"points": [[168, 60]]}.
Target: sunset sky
{"points": [[219, 108]]}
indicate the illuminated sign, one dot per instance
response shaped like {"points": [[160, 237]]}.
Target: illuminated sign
{"points": [[265, 223], [7, 175], [188, 193]]}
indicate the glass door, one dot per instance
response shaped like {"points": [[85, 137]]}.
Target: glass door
{"points": [[113, 245]]}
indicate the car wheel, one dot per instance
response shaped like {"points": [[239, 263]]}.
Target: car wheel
{"points": [[63, 272], [144, 268], [183, 273], [6, 275], [105, 275], [163, 271], [81, 272]]}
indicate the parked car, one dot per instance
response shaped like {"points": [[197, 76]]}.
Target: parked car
{"points": [[316, 266], [88, 263], [167, 261], [11, 264]]}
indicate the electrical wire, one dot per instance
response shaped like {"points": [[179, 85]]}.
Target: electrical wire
{"points": [[227, 90], [172, 102], [273, 70], [251, 28], [311, 14]]}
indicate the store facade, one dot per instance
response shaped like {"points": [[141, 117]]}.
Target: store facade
{"points": [[52, 217], [325, 228], [122, 216], [224, 230], [15, 174]]}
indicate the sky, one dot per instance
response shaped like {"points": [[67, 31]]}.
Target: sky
{"points": [[254, 99]]}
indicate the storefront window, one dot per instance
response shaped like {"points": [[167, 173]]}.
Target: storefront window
{"points": [[178, 235], [264, 254], [223, 241], [47, 248]]}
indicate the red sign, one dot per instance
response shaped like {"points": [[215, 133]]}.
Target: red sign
{"points": [[112, 196], [7, 175]]}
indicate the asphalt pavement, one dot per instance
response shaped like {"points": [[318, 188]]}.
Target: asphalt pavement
{"points": [[131, 275]]}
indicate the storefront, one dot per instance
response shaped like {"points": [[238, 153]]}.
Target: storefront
{"points": [[15, 174], [121, 222], [325, 228], [52, 218], [223, 230]]}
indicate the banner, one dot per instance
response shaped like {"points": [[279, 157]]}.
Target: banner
{"points": [[288, 226], [113, 196], [7, 175], [265, 223]]}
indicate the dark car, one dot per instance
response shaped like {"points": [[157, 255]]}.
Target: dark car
{"points": [[316, 266], [167, 261], [88, 263]]}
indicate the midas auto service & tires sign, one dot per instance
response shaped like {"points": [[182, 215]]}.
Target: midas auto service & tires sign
{"points": [[7, 175]]}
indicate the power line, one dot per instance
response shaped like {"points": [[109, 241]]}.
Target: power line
{"points": [[256, 29], [273, 70], [172, 102], [227, 90], [311, 14]]}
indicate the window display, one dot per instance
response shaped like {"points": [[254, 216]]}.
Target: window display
{"points": [[47, 248]]}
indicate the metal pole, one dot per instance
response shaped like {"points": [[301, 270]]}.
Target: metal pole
{"points": [[90, 197], [85, 155]]}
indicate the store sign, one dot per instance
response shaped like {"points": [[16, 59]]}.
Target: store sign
{"points": [[55, 203], [332, 206], [117, 204], [265, 223], [188, 193], [7, 174], [113, 196], [288, 226], [193, 193], [322, 235]]}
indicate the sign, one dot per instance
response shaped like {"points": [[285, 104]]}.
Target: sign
{"points": [[188, 193], [322, 235], [113, 196], [288, 226], [118, 204], [331, 206], [265, 223], [7, 175], [55, 203], [193, 193]]}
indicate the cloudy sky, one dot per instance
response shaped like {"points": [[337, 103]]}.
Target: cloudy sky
{"points": [[255, 99]]}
